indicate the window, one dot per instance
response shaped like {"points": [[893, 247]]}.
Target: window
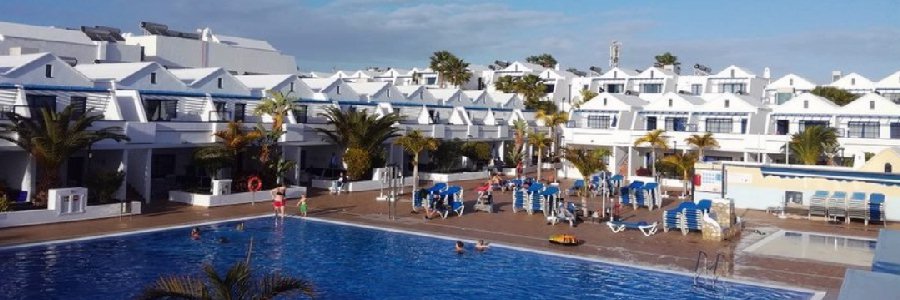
{"points": [[670, 102], [292, 86], [888, 168], [675, 123], [895, 130], [79, 105], [162, 165], [219, 82], [160, 110], [615, 88], [301, 113], [651, 123], [805, 103], [240, 111], [782, 127], [871, 104], [805, 124], [651, 73], [743, 126], [549, 88], [735, 88], [430, 81], [781, 98], [716, 125], [696, 89], [339, 90], [604, 101], [601, 122], [791, 82], [221, 112], [732, 73], [48, 71], [867, 130], [388, 93], [727, 103], [852, 81], [653, 88], [615, 74], [37, 104], [153, 78]]}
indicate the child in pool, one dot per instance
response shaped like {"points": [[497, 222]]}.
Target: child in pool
{"points": [[303, 206], [195, 233]]}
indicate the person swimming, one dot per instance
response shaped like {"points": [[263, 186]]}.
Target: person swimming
{"points": [[222, 240], [195, 233], [460, 247], [481, 245], [240, 226]]}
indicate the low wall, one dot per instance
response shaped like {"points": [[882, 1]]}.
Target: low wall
{"points": [[230, 199], [448, 177], [512, 171], [47, 216], [359, 186]]}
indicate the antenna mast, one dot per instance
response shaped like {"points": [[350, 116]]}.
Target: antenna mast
{"points": [[614, 54]]}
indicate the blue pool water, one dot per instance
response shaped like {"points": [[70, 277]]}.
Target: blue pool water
{"points": [[344, 262]]}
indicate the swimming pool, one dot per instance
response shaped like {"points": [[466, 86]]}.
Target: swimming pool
{"points": [[344, 262], [847, 250]]}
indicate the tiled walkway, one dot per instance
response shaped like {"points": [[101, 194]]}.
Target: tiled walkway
{"points": [[669, 250]]}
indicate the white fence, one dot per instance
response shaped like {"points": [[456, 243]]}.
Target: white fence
{"points": [[230, 199], [67, 205]]}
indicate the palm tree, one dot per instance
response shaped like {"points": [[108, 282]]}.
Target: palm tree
{"points": [[213, 158], [277, 106], [237, 283], [810, 144], [552, 119], [657, 140], [520, 128], [588, 162], [449, 68], [702, 142], [544, 60], [683, 162], [360, 130], [236, 140], [539, 141], [532, 88], [414, 143], [53, 138], [506, 84], [666, 59], [586, 95]]}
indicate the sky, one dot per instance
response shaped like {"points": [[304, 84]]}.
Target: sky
{"points": [[808, 38]]}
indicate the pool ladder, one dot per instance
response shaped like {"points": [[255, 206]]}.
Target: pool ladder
{"points": [[707, 270]]}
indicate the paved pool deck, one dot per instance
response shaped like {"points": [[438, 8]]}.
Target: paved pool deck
{"points": [[666, 250]]}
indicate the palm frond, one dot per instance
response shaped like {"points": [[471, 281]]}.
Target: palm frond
{"points": [[176, 287], [274, 285]]}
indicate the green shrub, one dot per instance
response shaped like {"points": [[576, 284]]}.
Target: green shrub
{"points": [[478, 152], [358, 163], [103, 185], [447, 156]]}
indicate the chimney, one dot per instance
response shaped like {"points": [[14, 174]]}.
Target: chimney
{"points": [[767, 73], [836, 75], [675, 69]]}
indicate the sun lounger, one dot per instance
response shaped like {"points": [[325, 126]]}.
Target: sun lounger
{"points": [[856, 207], [672, 217], [636, 189], [519, 200], [836, 205], [535, 199], [650, 191], [705, 205], [576, 187], [817, 205], [419, 198], [691, 219], [625, 197], [876, 209], [563, 213], [485, 202], [454, 200], [645, 228], [549, 197]]}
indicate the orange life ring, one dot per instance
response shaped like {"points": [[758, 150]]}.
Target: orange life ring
{"points": [[254, 184]]}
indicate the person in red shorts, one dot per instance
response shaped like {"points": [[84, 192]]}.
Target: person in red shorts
{"points": [[278, 200]]}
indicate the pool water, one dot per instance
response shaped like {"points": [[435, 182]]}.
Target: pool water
{"points": [[344, 262], [846, 250]]}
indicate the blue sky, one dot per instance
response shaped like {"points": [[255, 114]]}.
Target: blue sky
{"points": [[810, 38]]}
